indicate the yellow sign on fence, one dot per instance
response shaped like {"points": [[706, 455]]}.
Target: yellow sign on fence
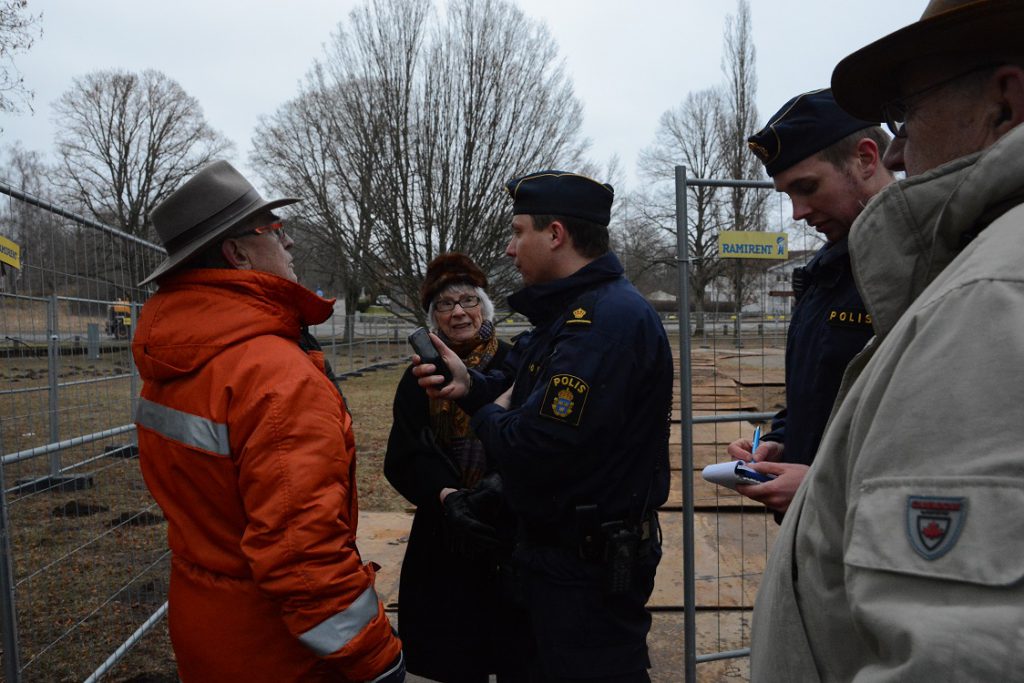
{"points": [[10, 253], [751, 244]]}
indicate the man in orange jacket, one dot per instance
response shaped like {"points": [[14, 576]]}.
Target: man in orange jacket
{"points": [[247, 446]]}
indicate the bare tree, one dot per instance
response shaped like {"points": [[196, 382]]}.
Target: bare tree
{"points": [[745, 206], [125, 141], [38, 233], [688, 135], [18, 32], [646, 252], [422, 120]]}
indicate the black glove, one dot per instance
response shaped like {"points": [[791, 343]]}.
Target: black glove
{"points": [[485, 498], [395, 673], [465, 521]]}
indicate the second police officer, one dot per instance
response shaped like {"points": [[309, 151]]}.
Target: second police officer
{"points": [[578, 422], [829, 164]]}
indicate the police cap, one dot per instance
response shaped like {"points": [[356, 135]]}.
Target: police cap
{"points": [[805, 125], [560, 193]]}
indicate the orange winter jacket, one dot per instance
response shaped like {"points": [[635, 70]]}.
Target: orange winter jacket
{"points": [[248, 449]]}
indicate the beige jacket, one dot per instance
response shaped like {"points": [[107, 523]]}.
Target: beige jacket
{"points": [[902, 555]]}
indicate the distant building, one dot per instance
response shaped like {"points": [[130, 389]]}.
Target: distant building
{"points": [[771, 294], [659, 295]]}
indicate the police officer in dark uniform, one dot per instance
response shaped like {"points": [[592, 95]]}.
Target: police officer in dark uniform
{"points": [[578, 422], [829, 164]]}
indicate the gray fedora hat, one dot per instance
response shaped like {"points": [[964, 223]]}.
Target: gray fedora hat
{"points": [[205, 208], [868, 78]]}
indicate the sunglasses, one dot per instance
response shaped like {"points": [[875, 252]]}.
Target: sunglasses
{"points": [[276, 228]]}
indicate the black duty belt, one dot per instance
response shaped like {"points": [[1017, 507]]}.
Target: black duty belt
{"points": [[588, 539]]}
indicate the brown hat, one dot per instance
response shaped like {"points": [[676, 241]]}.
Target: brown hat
{"points": [[869, 78], [450, 269], [206, 207]]}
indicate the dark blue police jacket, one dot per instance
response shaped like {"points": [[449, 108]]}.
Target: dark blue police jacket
{"points": [[829, 327], [589, 416]]}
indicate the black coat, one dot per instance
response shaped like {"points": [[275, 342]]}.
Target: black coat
{"points": [[588, 424], [450, 615], [829, 327]]}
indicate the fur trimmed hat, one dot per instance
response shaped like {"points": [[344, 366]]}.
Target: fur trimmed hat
{"points": [[450, 269]]}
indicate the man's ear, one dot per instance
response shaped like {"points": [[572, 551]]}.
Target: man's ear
{"points": [[1009, 80], [868, 157], [558, 234], [236, 254]]}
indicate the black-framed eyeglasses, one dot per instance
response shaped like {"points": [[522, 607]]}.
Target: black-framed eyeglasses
{"points": [[894, 112], [467, 301]]}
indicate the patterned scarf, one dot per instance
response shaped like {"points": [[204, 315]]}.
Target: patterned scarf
{"points": [[450, 423]]}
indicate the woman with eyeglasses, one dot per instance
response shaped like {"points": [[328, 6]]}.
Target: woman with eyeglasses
{"points": [[450, 616]]}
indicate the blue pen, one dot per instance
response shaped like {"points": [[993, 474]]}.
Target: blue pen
{"points": [[757, 442]]}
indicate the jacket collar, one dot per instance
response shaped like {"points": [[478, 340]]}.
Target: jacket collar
{"points": [[828, 264], [197, 313], [913, 229], [542, 302]]}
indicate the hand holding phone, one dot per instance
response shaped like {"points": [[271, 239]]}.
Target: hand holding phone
{"points": [[420, 342]]}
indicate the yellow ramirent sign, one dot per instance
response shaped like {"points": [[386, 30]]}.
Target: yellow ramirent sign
{"points": [[10, 253], [751, 244]]}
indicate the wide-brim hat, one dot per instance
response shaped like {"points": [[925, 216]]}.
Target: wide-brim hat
{"points": [[869, 78], [204, 209]]}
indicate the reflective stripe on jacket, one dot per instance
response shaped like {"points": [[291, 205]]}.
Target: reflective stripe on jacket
{"points": [[248, 449]]}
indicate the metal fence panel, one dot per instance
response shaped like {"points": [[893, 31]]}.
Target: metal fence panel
{"points": [[731, 378], [86, 543], [84, 563]]}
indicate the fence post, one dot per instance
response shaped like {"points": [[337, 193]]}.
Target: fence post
{"points": [[351, 342], [686, 429], [334, 342], [8, 614], [52, 372], [133, 388]]}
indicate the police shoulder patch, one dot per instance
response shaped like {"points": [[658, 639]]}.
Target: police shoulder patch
{"points": [[565, 399]]}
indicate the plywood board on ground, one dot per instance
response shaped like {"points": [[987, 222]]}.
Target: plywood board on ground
{"points": [[701, 453], [730, 551], [712, 433], [713, 405], [382, 539], [716, 632], [723, 387]]}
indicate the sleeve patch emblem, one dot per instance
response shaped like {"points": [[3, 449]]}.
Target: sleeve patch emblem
{"points": [[564, 399], [579, 317]]}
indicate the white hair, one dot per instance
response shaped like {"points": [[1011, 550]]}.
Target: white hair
{"points": [[487, 308]]}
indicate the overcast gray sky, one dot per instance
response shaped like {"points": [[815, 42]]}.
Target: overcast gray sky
{"points": [[629, 60]]}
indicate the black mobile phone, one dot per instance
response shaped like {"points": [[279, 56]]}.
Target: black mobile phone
{"points": [[420, 342]]}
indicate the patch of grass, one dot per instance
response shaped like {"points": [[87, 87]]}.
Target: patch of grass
{"points": [[369, 399]]}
